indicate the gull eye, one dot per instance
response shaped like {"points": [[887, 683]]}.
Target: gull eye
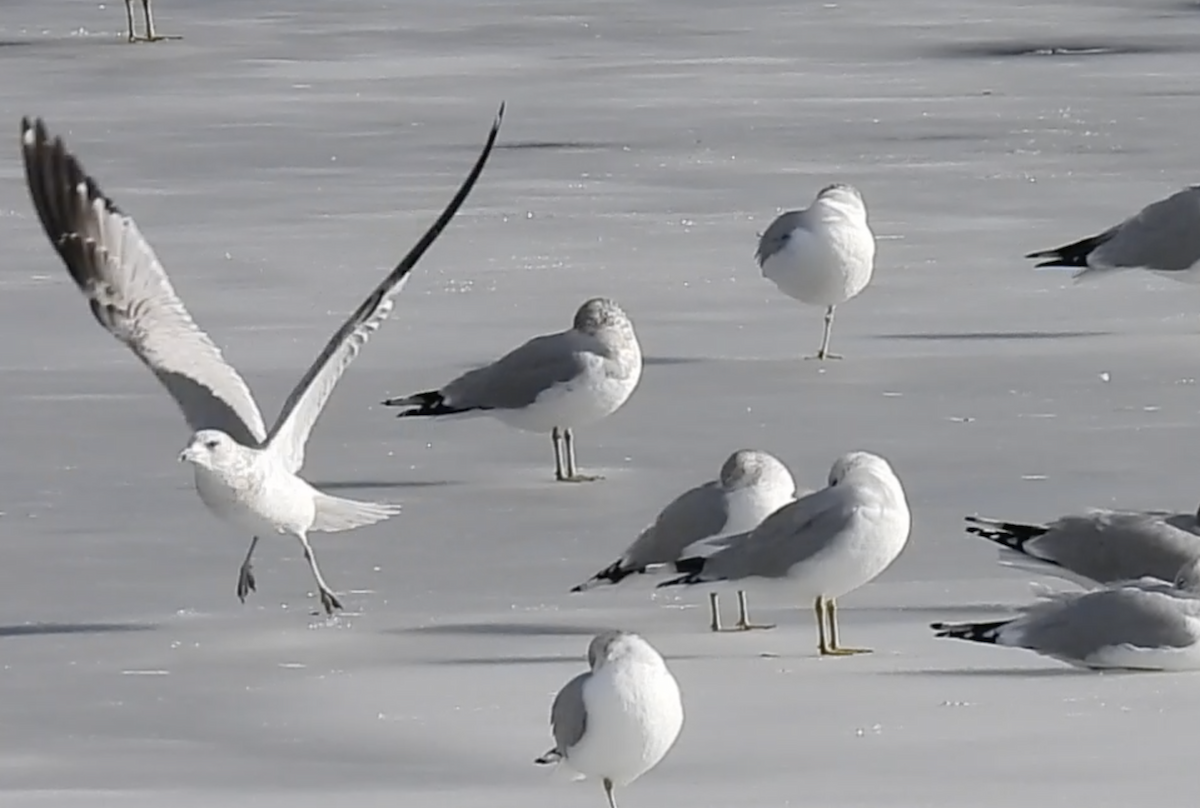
{"points": [[212, 444]]}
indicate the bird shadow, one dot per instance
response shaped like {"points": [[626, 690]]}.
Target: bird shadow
{"points": [[556, 145], [46, 629], [343, 485], [954, 336], [505, 629], [1002, 673], [672, 360], [1063, 49]]}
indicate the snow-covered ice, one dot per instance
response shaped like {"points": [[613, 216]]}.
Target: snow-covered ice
{"points": [[282, 154]]}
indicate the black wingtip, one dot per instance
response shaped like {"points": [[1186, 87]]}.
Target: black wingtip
{"points": [[612, 574], [971, 632]]}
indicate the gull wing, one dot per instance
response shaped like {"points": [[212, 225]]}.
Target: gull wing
{"points": [[303, 406], [129, 292]]}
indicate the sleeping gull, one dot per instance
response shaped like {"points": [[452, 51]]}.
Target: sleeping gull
{"points": [[823, 255], [1163, 237], [618, 720], [150, 35], [552, 383], [1137, 625], [750, 487], [827, 543], [1099, 547], [244, 474]]}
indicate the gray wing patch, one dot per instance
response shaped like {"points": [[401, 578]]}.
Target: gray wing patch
{"points": [[568, 715], [800, 530], [777, 235], [1112, 547], [1086, 625], [1164, 235], [516, 379], [693, 516]]}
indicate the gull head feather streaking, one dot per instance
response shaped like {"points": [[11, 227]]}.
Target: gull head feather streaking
{"points": [[600, 314], [845, 198], [214, 450]]}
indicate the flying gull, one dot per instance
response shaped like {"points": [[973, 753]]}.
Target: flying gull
{"points": [[552, 383], [826, 544], [750, 487], [1163, 237], [822, 255], [244, 474], [618, 720]]}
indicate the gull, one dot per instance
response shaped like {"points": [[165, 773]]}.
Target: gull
{"points": [[618, 720], [1145, 624], [1163, 237], [823, 255], [750, 487], [1099, 547], [552, 383], [246, 475], [828, 543], [150, 35]]}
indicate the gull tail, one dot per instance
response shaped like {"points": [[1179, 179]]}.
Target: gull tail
{"points": [[612, 574], [335, 514], [988, 632], [1012, 535], [553, 756], [693, 569], [428, 403]]}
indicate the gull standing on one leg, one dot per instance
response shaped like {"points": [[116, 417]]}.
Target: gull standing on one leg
{"points": [[552, 383], [751, 486], [618, 720], [823, 255], [827, 544], [244, 474], [150, 35]]}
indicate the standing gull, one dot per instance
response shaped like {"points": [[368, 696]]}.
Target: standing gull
{"points": [[552, 383], [1099, 547], [751, 486], [244, 474], [618, 720], [823, 255], [150, 36], [1163, 237], [827, 543], [1135, 625]]}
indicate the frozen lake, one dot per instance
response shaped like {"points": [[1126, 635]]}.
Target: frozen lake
{"points": [[283, 155]]}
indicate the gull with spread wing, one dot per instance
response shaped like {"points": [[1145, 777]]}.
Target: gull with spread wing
{"points": [[245, 474]]}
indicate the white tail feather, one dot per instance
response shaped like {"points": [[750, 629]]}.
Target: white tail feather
{"points": [[335, 514]]}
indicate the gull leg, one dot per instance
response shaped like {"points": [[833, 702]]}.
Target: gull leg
{"points": [[133, 37], [150, 35], [573, 475], [823, 647], [835, 644], [823, 352], [608, 792], [713, 599], [328, 599], [246, 583], [743, 623], [560, 473]]}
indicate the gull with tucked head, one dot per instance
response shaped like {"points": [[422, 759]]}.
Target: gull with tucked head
{"points": [[825, 544], [245, 474], [751, 485], [618, 720], [552, 383], [822, 255]]}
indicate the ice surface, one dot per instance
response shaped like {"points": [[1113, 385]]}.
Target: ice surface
{"points": [[284, 154]]}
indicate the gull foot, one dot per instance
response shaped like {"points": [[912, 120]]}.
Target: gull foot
{"points": [[839, 651], [330, 601], [155, 38], [823, 356], [246, 582], [579, 478], [744, 626]]}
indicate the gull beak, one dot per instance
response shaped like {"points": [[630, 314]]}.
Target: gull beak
{"points": [[187, 454]]}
